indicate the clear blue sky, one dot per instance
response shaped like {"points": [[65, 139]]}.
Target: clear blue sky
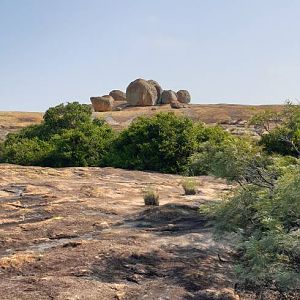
{"points": [[235, 51]]}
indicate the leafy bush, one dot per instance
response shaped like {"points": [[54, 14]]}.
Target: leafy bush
{"points": [[67, 137], [280, 131], [267, 220], [159, 143], [83, 146], [233, 158], [282, 140], [27, 152], [162, 143], [69, 116], [264, 212], [151, 197], [189, 186]]}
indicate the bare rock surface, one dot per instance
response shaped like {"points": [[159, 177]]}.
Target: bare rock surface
{"points": [[118, 95], [176, 104], [158, 88], [168, 96], [103, 103], [141, 93], [183, 96], [84, 233]]}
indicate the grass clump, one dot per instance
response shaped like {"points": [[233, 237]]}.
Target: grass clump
{"points": [[189, 186], [151, 197]]}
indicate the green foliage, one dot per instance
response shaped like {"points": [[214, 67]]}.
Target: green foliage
{"points": [[212, 134], [268, 262], [189, 186], [282, 130], [264, 212], [67, 137], [68, 116], [233, 158], [267, 221], [266, 120], [282, 140], [210, 140], [160, 143], [25, 151], [84, 146]]}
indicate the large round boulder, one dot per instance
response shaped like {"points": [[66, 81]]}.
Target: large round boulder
{"points": [[168, 96], [159, 89], [183, 96], [118, 95], [141, 93], [104, 103]]}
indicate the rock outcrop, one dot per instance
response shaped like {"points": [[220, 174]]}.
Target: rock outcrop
{"points": [[168, 96], [176, 104], [183, 96], [118, 95], [104, 103], [159, 89], [141, 93]]}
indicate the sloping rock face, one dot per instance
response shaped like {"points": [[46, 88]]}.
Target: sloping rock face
{"points": [[141, 93], [104, 103], [168, 96], [176, 104], [183, 96], [86, 232], [118, 95], [159, 89]]}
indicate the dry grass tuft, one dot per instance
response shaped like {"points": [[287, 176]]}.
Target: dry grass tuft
{"points": [[151, 197], [189, 186]]}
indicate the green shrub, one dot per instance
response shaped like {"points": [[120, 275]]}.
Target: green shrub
{"points": [[189, 186], [281, 140], [84, 146], [267, 221], [213, 134], [66, 116], [159, 143], [25, 151], [151, 197], [281, 130], [234, 158], [67, 137], [163, 143]]}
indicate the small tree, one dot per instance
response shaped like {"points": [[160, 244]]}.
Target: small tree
{"points": [[280, 132]]}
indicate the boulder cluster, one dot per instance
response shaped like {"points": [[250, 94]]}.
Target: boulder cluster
{"points": [[141, 92]]}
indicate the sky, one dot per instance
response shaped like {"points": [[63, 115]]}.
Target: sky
{"points": [[222, 51]]}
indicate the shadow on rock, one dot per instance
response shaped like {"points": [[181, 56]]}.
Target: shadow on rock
{"points": [[169, 219]]}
